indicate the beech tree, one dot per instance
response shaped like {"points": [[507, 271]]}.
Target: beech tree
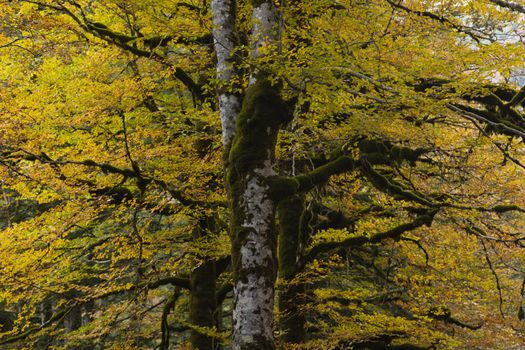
{"points": [[167, 167]]}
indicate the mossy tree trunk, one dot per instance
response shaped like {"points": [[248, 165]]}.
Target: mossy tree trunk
{"points": [[249, 149], [203, 293], [253, 230], [292, 320], [203, 303]]}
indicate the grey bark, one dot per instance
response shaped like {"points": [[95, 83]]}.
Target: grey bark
{"points": [[253, 228], [249, 138], [223, 19]]}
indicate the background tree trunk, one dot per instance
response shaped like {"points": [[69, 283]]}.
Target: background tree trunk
{"points": [[292, 320], [203, 304], [203, 297]]}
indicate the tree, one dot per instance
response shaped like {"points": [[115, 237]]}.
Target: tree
{"points": [[355, 140]]}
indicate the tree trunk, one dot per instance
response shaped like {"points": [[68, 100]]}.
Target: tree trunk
{"points": [[292, 319], [249, 139], [203, 303], [223, 18], [203, 298], [73, 319], [253, 231]]}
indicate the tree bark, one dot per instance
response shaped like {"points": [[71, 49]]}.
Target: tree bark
{"points": [[73, 319], [292, 319], [249, 138], [253, 231], [223, 19], [203, 297], [203, 303]]}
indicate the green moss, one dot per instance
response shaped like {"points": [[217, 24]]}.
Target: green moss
{"points": [[323, 173], [384, 152], [281, 187], [262, 113], [289, 213], [506, 208], [400, 154]]}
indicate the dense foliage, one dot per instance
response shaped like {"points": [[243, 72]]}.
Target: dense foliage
{"points": [[395, 131]]}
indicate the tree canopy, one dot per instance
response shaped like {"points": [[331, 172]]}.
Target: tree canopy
{"points": [[329, 174]]}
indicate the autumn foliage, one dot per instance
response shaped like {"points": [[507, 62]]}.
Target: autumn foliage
{"points": [[392, 132]]}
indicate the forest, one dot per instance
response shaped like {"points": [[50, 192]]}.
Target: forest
{"points": [[262, 174]]}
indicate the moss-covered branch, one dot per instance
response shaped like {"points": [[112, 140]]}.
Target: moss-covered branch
{"points": [[506, 121], [390, 186], [283, 186], [357, 241], [372, 150], [385, 152], [499, 209]]}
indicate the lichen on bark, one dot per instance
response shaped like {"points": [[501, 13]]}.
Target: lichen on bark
{"points": [[252, 227]]}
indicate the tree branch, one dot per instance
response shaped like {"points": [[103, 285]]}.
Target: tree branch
{"points": [[164, 325], [498, 125], [394, 233], [390, 186], [127, 43], [135, 173], [58, 316], [509, 5], [439, 18], [496, 277]]}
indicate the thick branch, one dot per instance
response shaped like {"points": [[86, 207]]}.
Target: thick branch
{"points": [[174, 281], [282, 186], [394, 233], [372, 152], [142, 179], [444, 314], [503, 126], [127, 43]]}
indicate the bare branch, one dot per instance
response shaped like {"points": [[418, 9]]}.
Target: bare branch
{"points": [[509, 5], [458, 27], [496, 277]]}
